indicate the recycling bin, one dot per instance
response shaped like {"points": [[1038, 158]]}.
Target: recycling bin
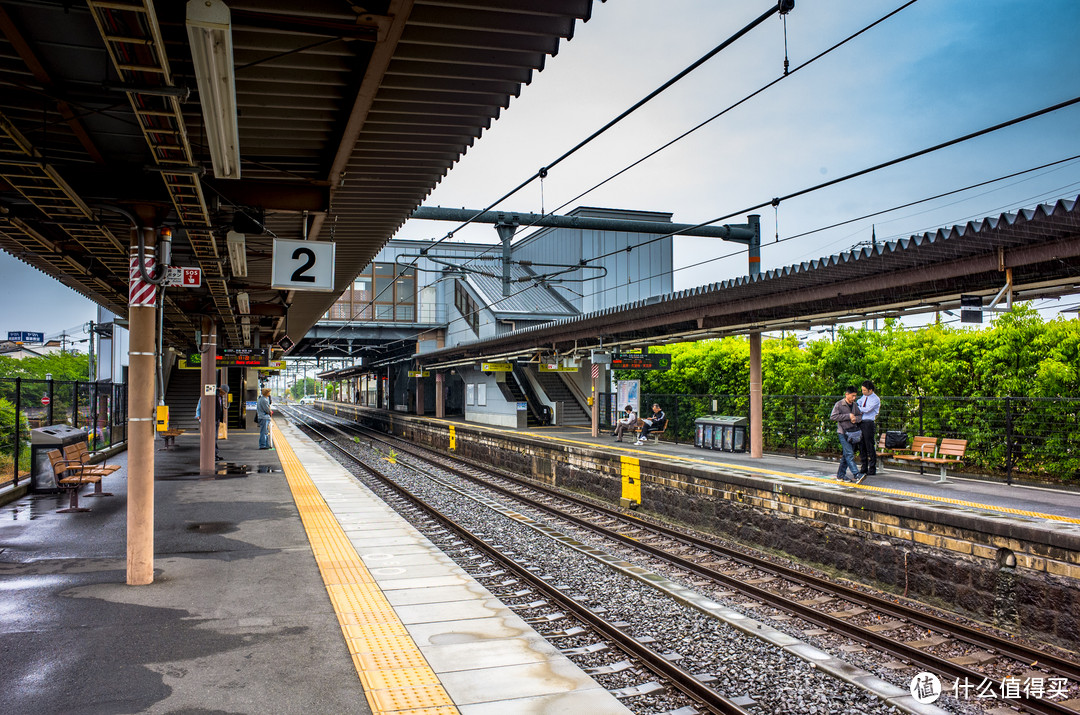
{"points": [[730, 435], [705, 431]]}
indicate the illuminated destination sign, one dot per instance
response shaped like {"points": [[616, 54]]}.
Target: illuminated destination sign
{"points": [[241, 357], [649, 361]]}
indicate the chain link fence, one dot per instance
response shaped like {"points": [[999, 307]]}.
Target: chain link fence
{"points": [[1026, 438], [100, 408]]}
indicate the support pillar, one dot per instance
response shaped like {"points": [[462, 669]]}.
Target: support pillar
{"points": [[756, 447], [420, 396], [440, 395], [142, 393], [595, 411], [208, 404]]}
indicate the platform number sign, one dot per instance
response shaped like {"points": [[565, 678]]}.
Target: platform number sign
{"points": [[303, 265]]}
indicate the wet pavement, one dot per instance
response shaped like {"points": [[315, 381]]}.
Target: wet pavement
{"points": [[237, 619]]}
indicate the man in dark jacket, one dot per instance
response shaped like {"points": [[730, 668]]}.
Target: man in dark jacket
{"points": [[847, 416], [656, 421]]}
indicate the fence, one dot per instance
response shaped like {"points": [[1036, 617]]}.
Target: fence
{"points": [[1008, 437], [26, 404]]}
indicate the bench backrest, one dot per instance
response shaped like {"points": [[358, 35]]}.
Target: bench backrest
{"points": [[56, 460], [924, 445], [76, 452], [952, 448]]}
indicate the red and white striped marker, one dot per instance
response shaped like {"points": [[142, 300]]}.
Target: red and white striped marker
{"points": [[141, 292]]}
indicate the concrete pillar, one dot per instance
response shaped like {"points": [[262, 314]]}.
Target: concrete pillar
{"points": [[440, 395], [208, 409], [595, 411], [420, 396], [756, 447], [142, 317]]}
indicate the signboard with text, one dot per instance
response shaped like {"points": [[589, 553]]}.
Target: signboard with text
{"points": [[22, 336], [238, 358], [419, 373], [557, 367], [302, 265], [183, 276], [645, 361], [496, 367]]}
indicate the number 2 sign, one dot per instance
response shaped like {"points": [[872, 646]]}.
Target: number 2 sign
{"points": [[303, 265]]}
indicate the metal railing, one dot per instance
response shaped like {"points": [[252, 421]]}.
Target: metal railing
{"points": [[1008, 437], [25, 404]]}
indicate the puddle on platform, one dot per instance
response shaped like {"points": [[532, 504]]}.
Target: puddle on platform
{"points": [[225, 470], [33, 508], [212, 527]]}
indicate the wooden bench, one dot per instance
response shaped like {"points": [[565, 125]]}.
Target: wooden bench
{"points": [[654, 434], [170, 436], [76, 455], [950, 453], [71, 479], [920, 447], [80, 452]]}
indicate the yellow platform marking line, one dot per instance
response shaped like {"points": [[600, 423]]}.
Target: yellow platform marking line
{"points": [[776, 473], [393, 671]]}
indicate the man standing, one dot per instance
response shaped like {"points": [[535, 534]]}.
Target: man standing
{"points": [[221, 413], [846, 415], [263, 413], [869, 405]]}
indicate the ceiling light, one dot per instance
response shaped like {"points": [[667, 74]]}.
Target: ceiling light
{"points": [[243, 305], [209, 29], [237, 253]]}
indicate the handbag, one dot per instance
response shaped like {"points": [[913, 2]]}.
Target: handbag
{"points": [[222, 430], [896, 439], [854, 436]]}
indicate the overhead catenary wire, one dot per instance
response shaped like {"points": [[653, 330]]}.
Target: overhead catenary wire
{"points": [[739, 251], [542, 174]]}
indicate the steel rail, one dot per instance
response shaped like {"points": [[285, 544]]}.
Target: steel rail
{"points": [[900, 650], [684, 681]]}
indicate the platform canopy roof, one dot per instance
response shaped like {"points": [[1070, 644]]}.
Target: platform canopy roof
{"points": [[1034, 252], [348, 115]]}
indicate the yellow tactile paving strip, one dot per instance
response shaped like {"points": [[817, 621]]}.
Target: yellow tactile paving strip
{"points": [[393, 671], [547, 437]]}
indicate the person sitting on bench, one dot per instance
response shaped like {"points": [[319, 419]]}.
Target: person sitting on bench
{"points": [[628, 422], [656, 421]]}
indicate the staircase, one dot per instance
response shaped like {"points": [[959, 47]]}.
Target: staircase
{"points": [[185, 390], [557, 391]]}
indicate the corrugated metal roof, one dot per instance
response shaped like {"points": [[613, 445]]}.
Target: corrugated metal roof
{"points": [[1040, 246], [527, 298], [350, 112]]}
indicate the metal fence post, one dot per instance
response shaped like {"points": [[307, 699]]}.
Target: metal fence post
{"points": [[18, 426], [50, 393], [796, 430], [675, 432], [75, 404], [921, 469], [1008, 440]]}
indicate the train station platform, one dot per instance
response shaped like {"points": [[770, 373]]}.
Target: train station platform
{"points": [[281, 585], [969, 543]]}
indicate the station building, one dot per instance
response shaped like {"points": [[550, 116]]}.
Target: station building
{"points": [[415, 298]]}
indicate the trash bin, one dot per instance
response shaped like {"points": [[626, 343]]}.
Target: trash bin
{"points": [[42, 440], [730, 435], [705, 431]]}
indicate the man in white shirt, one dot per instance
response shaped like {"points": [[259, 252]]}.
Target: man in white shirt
{"points": [[870, 406]]}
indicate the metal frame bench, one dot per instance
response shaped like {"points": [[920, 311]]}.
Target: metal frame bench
{"points": [[170, 436], [71, 479]]}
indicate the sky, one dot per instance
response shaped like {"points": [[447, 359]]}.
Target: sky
{"points": [[937, 70]]}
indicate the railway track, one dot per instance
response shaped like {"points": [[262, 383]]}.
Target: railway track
{"points": [[904, 633]]}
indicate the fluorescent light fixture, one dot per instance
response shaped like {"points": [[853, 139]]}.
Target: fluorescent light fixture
{"points": [[237, 253], [243, 305], [245, 329], [209, 28]]}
